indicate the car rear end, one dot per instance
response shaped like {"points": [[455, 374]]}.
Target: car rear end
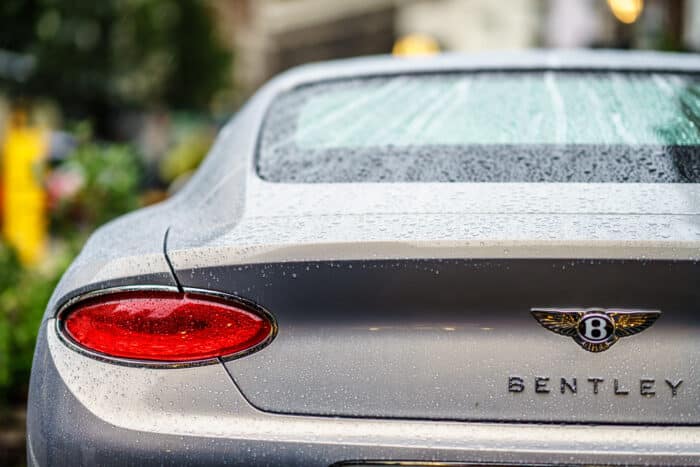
{"points": [[393, 223]]}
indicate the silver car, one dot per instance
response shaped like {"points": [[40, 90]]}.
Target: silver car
{"points": [[474, 260]]}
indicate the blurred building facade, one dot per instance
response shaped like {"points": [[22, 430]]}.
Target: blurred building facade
{"points": [[269, 36]]}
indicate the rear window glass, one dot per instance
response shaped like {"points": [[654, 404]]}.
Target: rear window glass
{"points": [[487, 127]]}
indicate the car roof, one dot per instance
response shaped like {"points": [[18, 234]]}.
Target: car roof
{"points": [[387, 65]]}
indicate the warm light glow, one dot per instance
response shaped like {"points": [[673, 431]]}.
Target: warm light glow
{"points": [[627, 11], [415, 44]]}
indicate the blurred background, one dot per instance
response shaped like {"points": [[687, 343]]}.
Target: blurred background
{"points": [[107, 106]]}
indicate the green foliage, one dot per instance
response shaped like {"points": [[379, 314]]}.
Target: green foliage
{"points": [[10, 271], [168, 52], [186, 155], [23, 296], [110, 179], [92, 56]]}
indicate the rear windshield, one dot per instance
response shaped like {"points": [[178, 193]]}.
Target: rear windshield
{"points": [[487, 127]]}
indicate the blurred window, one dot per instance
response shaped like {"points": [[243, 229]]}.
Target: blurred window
{"points": [[487, 127]]}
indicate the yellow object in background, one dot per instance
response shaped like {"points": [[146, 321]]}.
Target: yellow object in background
{"points": [[24, 205], [626, 11], [415, 45]]}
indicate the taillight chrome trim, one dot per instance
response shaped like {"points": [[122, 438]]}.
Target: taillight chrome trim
{"points": [[67, 307]]}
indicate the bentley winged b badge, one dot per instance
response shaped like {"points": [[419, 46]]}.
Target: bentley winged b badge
{"points": [[595, 329]]}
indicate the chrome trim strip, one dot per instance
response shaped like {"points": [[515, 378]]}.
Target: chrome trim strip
{"points": [[68, 306]]}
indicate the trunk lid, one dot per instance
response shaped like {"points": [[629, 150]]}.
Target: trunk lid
{"points": [[455, 340], [412, 300]]}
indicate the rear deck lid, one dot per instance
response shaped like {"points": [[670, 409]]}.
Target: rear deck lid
{"points": [[456, 340]]}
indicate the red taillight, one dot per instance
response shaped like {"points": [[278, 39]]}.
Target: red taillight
{"points": [[165, 327]]}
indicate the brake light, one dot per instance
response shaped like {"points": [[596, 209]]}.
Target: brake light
{"points": [[165, 326]]}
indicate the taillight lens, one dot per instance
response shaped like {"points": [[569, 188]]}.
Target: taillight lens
{"points": [[165, 327]]}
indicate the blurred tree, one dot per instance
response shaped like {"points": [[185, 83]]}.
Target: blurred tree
{"points": [[95, 57]]}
